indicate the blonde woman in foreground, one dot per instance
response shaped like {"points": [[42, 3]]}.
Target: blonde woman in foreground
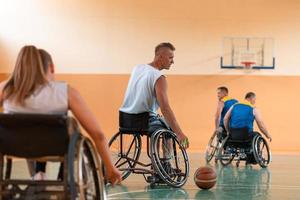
{"points": [[32, 89]]}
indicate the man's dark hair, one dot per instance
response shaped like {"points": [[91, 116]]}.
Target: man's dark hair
{"points": [[223, 89], [250, 95], [164, 45], [46, 59]]}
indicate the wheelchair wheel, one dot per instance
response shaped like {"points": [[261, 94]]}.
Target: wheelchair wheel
{"points": [[261, 151], [212, 147], [169, 158], [125, 150], [85, 179], [226, 155], [90, 181]]}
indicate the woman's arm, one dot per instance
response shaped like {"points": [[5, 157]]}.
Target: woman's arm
{"points": [[89, 122]]}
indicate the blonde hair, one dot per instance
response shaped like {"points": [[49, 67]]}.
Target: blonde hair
{"points": [[27, 76], [46, 59]]}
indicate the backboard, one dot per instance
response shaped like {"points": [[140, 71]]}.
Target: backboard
{"points": [[248, 52]]}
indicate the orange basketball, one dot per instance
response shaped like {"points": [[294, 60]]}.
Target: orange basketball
{"points": [[205, 177]]}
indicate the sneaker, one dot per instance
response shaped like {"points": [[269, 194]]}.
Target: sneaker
{"points": [[170, 170]]}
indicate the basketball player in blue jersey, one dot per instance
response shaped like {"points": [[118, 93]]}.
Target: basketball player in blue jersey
{"points": [[224, 104], [240, 118]]}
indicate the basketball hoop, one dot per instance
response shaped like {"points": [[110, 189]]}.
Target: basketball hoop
{"points": [[248, 64]]}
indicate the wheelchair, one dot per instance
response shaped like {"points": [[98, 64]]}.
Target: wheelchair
{"points": [[42, 137], [163, 161], [214, 145], [252, 149]]}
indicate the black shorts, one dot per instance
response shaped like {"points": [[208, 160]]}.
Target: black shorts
{"points": [[241, 134], [244, 135]]}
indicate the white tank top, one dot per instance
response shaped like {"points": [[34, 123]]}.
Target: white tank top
{"points": [[140, 94], [49, 99]]}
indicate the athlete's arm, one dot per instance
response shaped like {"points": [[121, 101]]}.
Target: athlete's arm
{"points": [[89, 122], [227, 118], [261, 125], [218, 114], [162, 98]]}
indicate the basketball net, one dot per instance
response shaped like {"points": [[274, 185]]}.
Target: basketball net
{"points": [[248, 64], [248, 59]]}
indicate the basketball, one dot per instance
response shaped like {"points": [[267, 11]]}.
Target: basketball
{"points": [[205, 177]]}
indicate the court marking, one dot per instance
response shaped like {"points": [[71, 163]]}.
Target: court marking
{"points": [[223, 186], [137, 191]]}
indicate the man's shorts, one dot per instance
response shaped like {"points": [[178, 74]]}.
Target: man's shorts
{"points": [[241, 134], [157, 122]]}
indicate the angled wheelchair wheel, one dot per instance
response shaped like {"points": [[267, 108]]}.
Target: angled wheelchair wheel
{"points": [[85, 175], [169, 158], [212, 147], [125, 150], [261, 151], [226, 155], [89, 178]]}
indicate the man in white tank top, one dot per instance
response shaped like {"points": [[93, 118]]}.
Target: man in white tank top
{"points": [[147, 91]]}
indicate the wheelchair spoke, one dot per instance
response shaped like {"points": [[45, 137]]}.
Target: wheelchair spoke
{"points": [[264, 154], [88, 178], [122, 163], [130, 146], [261, 150], [125, 150], [129, 163], [171, 160], [166, 151], [175, 155], [116, 164]]}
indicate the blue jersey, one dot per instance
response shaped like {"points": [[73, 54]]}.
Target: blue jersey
{"points": [[228, 102], [242, 116]]}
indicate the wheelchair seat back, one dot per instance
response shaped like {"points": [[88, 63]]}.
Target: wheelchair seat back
{"points": [[239, 137], [133, 123], [33, 135]]}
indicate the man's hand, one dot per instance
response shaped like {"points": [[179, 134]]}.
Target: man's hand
{"points": [[113, 176], [219, 130], [183, 140]]}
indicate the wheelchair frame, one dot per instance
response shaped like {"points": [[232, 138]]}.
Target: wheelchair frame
{"points": [[44, 133], [136, 126], [238, 153]]}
